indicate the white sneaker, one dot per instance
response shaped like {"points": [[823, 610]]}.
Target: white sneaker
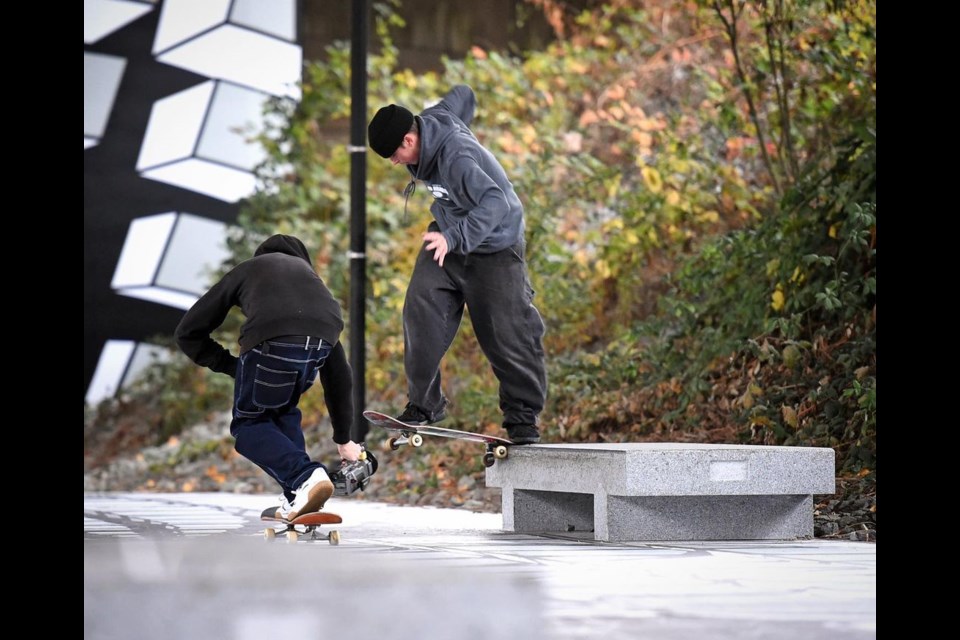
{"points": [[285, 508], [312, 494]]}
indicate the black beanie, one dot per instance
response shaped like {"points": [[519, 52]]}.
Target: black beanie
{"points": [[387, 129]]}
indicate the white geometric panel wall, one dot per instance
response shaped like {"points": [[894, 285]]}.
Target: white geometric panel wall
{"points": [[103, 17], [248, 42], [170, 258], [198, 139], [101, 80], [121, 361]]}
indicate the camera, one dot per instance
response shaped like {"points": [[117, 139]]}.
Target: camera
{"points": [[354, 476]]}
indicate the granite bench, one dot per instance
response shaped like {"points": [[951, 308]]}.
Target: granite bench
{"points": [[647, 491]]}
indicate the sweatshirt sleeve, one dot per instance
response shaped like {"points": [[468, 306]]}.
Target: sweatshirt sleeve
{"points": [[478, 193], [203, 318], [461, 102], [337, 380]]}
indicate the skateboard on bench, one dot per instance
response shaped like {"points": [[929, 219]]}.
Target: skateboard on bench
{"points": [[497, 448]]}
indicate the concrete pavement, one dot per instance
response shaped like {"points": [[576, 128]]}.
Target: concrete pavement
{"points": [[196, 566]]}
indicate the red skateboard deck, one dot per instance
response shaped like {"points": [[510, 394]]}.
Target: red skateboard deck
{"points": [[308, 522]]}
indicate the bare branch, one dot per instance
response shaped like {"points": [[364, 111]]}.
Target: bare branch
{"points": [[730, 26]]}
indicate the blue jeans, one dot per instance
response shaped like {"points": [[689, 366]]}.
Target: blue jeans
{"points": [[266, 421]]}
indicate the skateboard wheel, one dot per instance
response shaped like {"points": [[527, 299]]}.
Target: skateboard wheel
{"points": [[393, 444], [488, 459], [334, 537], [269, 534], [500, 452], [416, 439], [292, 536]]}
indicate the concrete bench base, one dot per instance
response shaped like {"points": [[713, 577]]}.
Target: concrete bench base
{"points": [[660, 518], [624, 492]]}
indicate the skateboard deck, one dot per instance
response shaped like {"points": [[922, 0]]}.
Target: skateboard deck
{"points": [[413, 435], [308, 523]]}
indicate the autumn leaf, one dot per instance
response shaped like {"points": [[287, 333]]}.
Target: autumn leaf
{"points": [[588, 117], [652, 177], [791, 356], [790, 416], [214, 474], [778, 300]]}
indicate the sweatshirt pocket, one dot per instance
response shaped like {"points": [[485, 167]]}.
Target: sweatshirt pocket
{"points": [[273, 388]]}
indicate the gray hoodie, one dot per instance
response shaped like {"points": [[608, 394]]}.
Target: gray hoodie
{"points": [[474, 202]]}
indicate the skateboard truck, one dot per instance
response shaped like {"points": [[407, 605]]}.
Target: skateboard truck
{"points": [[413, 439]]}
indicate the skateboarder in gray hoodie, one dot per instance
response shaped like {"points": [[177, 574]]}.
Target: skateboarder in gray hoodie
{"points": [[474, 255]]}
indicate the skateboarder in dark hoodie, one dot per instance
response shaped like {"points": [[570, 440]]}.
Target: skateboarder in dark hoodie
{"points": [[473, 255], [291, 336]]}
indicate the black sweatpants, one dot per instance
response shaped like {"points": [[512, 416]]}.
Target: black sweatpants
{"points": [[496, 289]]}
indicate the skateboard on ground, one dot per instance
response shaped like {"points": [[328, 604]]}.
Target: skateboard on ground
{"points": [[308, 523], [413, 435]]}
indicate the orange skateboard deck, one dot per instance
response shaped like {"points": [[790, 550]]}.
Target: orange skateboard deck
{"points": [[309, 523]]}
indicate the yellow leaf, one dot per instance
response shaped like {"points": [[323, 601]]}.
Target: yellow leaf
{"points": [[673, 197], [652, 177], [790, 416], [603, 270], [710, 216], [833, 231], [528, 134], [778, 300], [614, 186]]}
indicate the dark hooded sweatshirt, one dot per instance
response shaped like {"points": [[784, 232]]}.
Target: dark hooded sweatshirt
{"points": [[281, 295], [474, 203]]}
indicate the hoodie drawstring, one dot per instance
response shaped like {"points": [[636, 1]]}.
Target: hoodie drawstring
{"points": [[408, 191]]}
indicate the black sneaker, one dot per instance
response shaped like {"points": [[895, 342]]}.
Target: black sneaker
{"points": [[414, 415], [523, 434]]}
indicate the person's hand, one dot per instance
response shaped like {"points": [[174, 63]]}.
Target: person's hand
{"points": [[436, 243], [350, 451]]}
